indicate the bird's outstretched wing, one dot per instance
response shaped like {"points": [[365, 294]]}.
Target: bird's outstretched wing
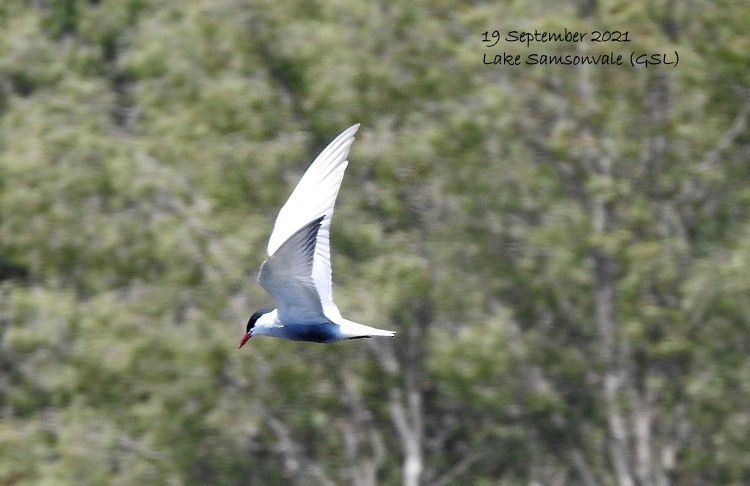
{"points": [[287, 276], [312, 201]]}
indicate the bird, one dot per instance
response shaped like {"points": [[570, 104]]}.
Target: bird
{"points": [[297, 272]]}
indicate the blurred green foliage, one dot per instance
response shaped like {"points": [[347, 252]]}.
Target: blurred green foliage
{"points": [[558, 247]]}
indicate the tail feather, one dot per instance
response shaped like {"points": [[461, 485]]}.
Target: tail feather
{"points": [[351, 330], [381, 332]]}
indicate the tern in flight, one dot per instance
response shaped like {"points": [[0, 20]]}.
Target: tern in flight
{"points": [[297, 272]]}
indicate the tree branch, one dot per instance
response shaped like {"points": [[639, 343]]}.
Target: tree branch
{"points": [[738, 128], [295, 461]]}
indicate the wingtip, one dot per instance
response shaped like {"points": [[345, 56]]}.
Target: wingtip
{"points": [[352, 129]]}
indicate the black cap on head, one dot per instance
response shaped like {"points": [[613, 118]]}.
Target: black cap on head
{"points": [[255, 317]]}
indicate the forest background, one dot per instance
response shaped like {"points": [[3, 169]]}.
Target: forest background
{"points": [[563, 250]]}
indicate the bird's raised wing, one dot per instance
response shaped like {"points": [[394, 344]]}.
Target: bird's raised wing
{"points": [[287, 276], [313, 199]]}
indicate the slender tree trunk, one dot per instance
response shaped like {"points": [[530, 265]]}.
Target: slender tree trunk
{"points": [[615, 372], [613, 349], [406, 405], [365, 447]]}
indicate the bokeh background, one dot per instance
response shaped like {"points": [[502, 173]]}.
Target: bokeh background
{"points": [[563, 250]]}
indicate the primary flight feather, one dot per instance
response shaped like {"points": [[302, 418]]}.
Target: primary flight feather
{"points": [[297, 272]]}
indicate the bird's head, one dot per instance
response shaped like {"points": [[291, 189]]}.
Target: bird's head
{"points": [[251, 326]]}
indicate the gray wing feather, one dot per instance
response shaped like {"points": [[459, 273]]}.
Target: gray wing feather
{"points": [[288, 276]]}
